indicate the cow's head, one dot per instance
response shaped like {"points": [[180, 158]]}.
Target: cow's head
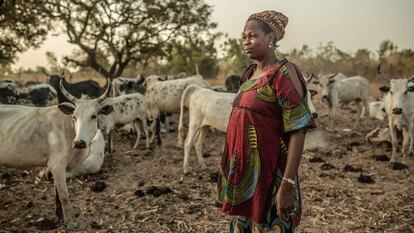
{"points": [[399, 94], [152, 79], [84, 113], [312, 79], [325, 85]]}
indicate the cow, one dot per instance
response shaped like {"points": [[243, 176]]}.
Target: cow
{"points": [[218, 88], [399, 106], [40, 95], [167, 94], [232, 83], [207, 108], [131, 108], [122, 86], [377, 110], [89, 88], [91, 165], [8, 94], [337, 90], [57, 137]]}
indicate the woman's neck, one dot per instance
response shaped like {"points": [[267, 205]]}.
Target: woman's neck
{"points": [[265, 63]]}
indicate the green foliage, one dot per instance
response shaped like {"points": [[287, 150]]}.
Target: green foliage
{"points": [[235, 55], [186, 55], [23, 25]]}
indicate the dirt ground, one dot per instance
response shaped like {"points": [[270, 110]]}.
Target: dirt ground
{"points": [[145, 191]]}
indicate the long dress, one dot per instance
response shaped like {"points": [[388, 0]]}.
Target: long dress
{"points": [[255, 152]]}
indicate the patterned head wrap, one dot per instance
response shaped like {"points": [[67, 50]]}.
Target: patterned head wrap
{"points": [[277, 21]]}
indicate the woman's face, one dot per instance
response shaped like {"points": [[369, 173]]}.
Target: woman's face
{"points": [[255, 40]]}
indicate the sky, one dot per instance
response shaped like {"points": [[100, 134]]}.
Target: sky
{"points": [[349, 24]]}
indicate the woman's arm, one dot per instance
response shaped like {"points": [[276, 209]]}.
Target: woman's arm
{"points": [[284, 197]]}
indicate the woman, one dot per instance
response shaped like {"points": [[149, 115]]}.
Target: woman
{"points": [[258, 185]]}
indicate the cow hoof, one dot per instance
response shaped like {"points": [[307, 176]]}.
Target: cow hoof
{"points": [[187, 171]]}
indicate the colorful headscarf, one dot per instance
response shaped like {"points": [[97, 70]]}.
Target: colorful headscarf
{"points": [[277, 21]]}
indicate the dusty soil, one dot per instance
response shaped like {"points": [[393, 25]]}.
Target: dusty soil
{"points": [[145, 191]]}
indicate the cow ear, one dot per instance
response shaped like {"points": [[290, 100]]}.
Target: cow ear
{"points": [[384, 89], [331, 81], [410, 88], [105, 110], [67, 108], [313, 93]]}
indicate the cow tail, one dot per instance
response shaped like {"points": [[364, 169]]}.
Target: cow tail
{"points": [[184, 102]]}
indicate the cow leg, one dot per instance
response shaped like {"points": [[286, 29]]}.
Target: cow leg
{"points": [[138, 130], [198, 146], [405, 144], [153, 130], [189, 142], [110, 141], [366, 107], [62, 197], [59, 211], [394, 141], [333, 116], [146, 132], [163, 123], [359, 113], [158, 130]]}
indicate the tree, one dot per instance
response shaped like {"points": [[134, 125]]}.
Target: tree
{"points": [[188, 54], [235, 55], [23, 25], [386, 48], [126, 30]]}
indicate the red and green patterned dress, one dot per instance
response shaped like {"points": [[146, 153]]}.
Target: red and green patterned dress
{"points": [[253, 160]]}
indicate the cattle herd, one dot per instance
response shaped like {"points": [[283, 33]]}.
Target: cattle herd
{"points": [[64, 125]]}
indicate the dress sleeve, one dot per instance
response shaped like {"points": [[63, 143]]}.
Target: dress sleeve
{"points": [[295, 111]]}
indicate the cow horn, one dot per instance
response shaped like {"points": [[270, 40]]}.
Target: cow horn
{"points": [[45, 72], [62, 73], [69, 96], [382, 76], [411, 79], [106, 93], [333, 75]]}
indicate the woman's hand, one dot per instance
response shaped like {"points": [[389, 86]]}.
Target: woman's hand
{"points": [[285, 202]]}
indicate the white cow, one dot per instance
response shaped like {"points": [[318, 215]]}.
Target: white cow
{"points": [[399, 105], [131, 108], [207, 108], [167, 94], [377, 110], [336, 91], [58, 137], [93, 163]]}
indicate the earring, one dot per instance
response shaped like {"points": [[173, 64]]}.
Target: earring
{"points": [[270, 46]]}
